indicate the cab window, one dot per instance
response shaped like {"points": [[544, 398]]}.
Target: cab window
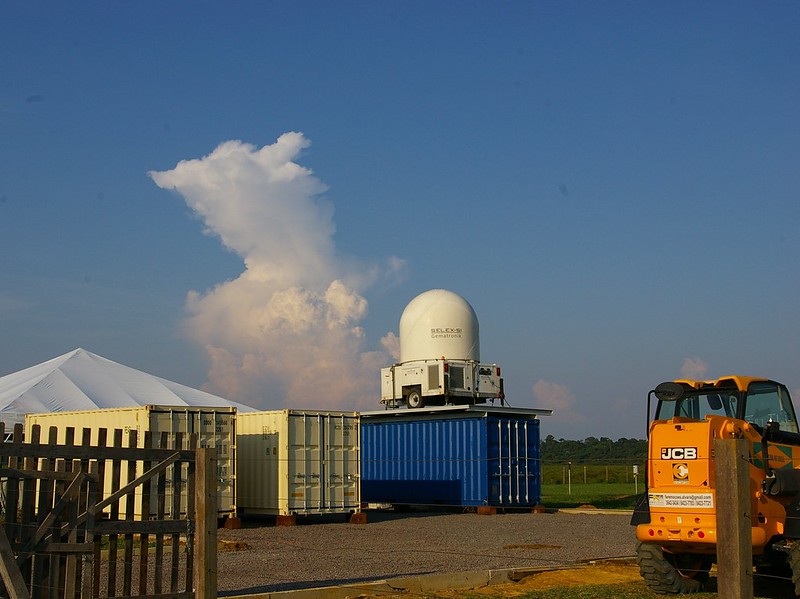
{"points": [[769, 402], [699, 404]]}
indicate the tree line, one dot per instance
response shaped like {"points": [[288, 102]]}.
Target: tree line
{"points": [[593, 450]]}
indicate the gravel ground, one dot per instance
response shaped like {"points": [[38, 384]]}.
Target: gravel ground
{"points": [[320, 552]]}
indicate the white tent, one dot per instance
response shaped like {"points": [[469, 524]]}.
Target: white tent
{"points": [[81, 380]]}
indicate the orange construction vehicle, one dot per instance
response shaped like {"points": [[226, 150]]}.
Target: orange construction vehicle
{"points": [[675, 518]]}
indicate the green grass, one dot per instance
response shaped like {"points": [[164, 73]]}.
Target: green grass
{"points": [[600, 495], [608, 487], [579, 473]]}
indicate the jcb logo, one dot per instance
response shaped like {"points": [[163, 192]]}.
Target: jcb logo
{"points": [[679, 453]]}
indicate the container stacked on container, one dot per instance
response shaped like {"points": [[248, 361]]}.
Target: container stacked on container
{"points": [[298, 462], [452, 456], [214, 427]]}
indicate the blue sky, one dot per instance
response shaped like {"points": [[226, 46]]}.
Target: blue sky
{"points": [[244, 196]]}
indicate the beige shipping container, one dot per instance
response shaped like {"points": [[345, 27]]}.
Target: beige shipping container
{"points": [[298, 462], [214, 427]]}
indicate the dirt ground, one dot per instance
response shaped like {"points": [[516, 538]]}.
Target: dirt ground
{"points": [[599, 573], [610, 573], [603, 573]]}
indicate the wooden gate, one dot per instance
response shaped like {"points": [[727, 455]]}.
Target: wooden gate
{"points": [[94, 521]]}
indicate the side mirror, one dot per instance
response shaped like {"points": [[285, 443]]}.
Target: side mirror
{"points": [[668, 391]]}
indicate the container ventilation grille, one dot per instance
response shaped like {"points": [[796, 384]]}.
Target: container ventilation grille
{"points": [[433, 377], [456, 377]]}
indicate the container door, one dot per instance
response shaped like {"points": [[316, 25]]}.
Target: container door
{"points": [[167, 426], [514, 467], [323, 463], [218, 429], [215, 429], [262, 465], [341, 461], [305, 467]]}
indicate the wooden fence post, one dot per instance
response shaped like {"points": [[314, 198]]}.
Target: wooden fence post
{"points": [[205, 571], [734, 521]]}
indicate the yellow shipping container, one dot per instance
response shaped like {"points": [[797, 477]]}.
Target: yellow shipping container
{"points": [[298, 462], [215, 427]]}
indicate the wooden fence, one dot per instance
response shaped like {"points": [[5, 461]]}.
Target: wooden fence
{"points": [[94, 521]]}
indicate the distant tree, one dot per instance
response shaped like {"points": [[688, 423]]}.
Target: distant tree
{"points": [[601, 451]]}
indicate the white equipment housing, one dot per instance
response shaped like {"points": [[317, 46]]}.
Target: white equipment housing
{"points": [[422, 382], [439, 356]]}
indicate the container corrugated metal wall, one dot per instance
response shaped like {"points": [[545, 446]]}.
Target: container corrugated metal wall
{"points": [[298, 462], [484, 457], [214, 427]]}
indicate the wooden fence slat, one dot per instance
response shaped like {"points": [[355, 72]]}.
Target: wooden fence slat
{"points": [[70, 559], [111, 583], [56, 562], [65, 578], [177, 472], [190, 509], [76, 536], [42, 566], [12, 490], [102, 442], [144, 540], [130, 509], [160, 511], [206, 524]]}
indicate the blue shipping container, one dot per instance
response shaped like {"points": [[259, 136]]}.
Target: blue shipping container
{"points": [[459, 456]]}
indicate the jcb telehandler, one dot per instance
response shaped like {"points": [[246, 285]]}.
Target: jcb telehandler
{"points": [[675, 519]]}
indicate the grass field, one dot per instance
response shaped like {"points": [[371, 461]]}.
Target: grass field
{"points": [[609, 487], [620, 496]]}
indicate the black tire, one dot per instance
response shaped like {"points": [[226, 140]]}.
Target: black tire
{"points": [[773, 564], [669, 574], [415, 400], [794, 563]]}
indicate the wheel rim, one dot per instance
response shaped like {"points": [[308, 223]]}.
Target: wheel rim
{"points": [[690, 566]]}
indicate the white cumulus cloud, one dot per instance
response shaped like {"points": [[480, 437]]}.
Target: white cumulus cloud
{"points": [[285, 333], [553, 396], [558, 398], [391, 343], [694, 369]]}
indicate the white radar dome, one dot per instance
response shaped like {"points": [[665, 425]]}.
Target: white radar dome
{"points": [[439, 323]]}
